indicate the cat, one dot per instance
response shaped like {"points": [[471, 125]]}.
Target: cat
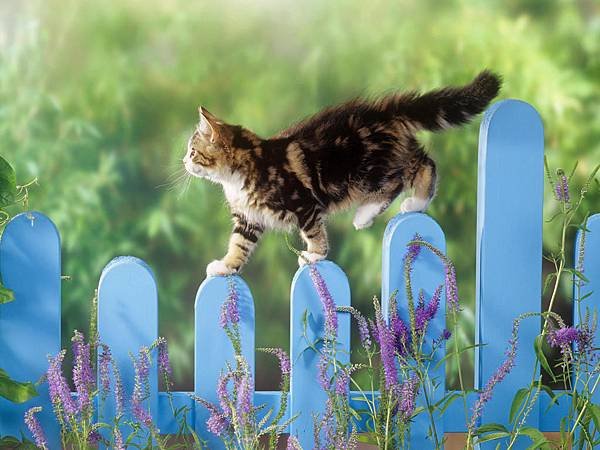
{"points": [[362, 152]]}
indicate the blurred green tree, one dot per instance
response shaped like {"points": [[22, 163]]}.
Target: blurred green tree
{"points": [[97, 100]]}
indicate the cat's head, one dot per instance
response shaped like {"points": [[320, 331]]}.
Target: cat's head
{"points": [[210, 153]]}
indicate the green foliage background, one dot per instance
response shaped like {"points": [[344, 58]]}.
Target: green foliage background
{"points": [[97, 100]]}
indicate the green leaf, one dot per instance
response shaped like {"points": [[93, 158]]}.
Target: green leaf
{"points": [[493, 436], [595, 413], [489, 427], [537, 437], [15, 391], [517, 402], [539, 353], [6, 295], [8, 183]]}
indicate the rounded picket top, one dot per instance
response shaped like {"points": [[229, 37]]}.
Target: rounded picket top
{"points": [[306, 327], [398, 233], [213, 349], [30, 263], [519, 115], [128, 321]]}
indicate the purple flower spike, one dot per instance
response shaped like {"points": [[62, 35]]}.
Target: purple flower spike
{"points": [[140, 388], [230, 313], [82, 371], [402, 335], [245, 399], [408, 394], [60, 394], [322, 375], [293, 443], [561, 190], [104, 363], [425, 313], [486, 394], [217, 423], [451, 288], [342, 382], [94, 437], [223, 394], [387, 342], [562, 337], [164, 364], [35, 428], [118, 439], [329, 308]]}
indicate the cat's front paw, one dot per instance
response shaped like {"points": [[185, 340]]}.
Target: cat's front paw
{"points": [[219, 268], [413, 204], [309, 258]]}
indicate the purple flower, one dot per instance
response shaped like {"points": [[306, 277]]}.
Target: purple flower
{"points": [[82, 371], [94, 437], [425, 313], [35, 428], [217, 423], [140, 388], [104, 363], [230, 313], [60, 394], [293, 443], [322, 375], [118, 439], [486, 394], [451, 287], [223, 393], [408, 394], [244, 399], [164, 364], [119, 392], [342, 381], [401, 333], [327, 302], [562, 337], [561, 190], [387, 343], [413, 250], [285, 365]]}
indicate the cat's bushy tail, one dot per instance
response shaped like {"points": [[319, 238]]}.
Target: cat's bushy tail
{"points": [[447, 107]]}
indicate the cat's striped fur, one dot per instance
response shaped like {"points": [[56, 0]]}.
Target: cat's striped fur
{"points": [[360, 153]]}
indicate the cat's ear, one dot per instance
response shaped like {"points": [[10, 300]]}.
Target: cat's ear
{"points": [[209, 124]]}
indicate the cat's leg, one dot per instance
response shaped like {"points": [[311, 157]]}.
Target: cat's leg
{"points": [[366, 213], [424, 186], [314, 234], [242, 242]]}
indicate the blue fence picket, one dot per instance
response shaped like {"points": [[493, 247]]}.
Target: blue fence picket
{"points": [[213, 349], [587, 260], [306, 327], [428, 274], [30, 325], [509, 247], [128, 320]]}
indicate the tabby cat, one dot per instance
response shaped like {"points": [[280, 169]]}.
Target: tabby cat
{"points": [[361, 152]]}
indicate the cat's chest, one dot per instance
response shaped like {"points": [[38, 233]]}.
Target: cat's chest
{"points": [[250, 204]]}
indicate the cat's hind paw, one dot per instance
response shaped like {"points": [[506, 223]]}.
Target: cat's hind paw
{"points": [[413, 204], [309, 258], [219, 268]]}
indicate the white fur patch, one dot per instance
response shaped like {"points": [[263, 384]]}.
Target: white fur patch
{"points": [[413, 204], [218, 268], [363, 218], [308, 258]]}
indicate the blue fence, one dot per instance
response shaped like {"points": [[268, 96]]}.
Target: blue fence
{"points": [[508, 264]]}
